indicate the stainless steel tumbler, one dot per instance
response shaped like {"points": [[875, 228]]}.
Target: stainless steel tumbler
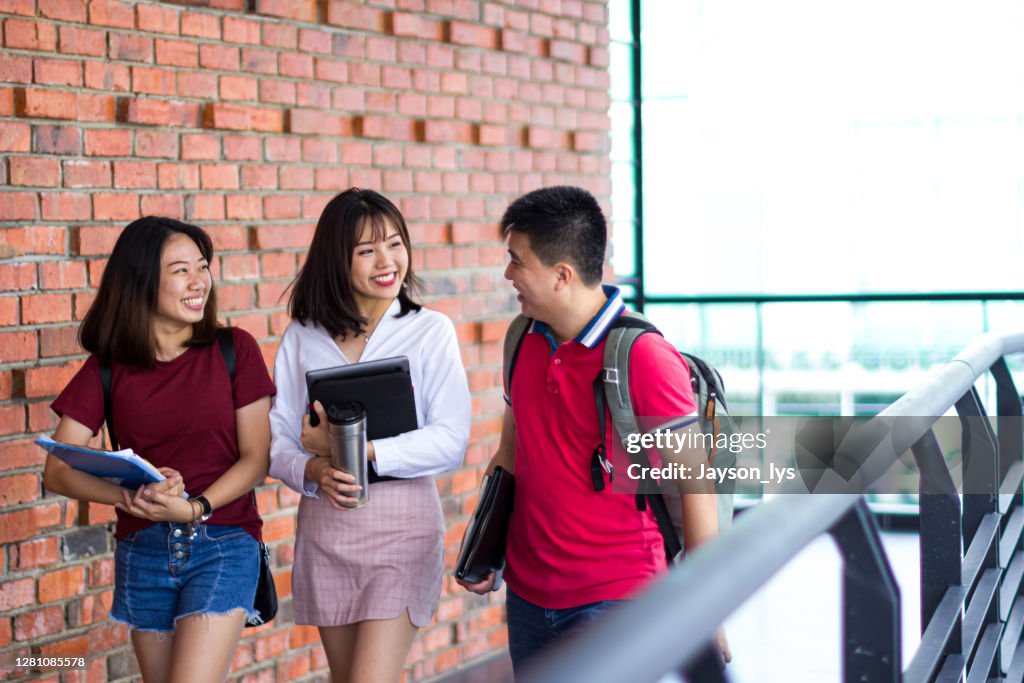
{"points": [[346, 425]]}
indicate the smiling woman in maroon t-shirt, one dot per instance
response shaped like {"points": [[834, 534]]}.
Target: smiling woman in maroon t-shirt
{"points": [[185, 567]]}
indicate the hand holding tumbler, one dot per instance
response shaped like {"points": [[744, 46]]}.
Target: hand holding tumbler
{"points": [[346, 425]]}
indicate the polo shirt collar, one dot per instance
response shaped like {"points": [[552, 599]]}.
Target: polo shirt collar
{"points": [[597, 329]]}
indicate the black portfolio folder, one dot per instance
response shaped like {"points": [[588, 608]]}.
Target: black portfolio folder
{"points": [[382, 387], [483, 544]]}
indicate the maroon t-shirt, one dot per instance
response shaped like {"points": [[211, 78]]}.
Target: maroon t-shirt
{"points": [[180, 414]]}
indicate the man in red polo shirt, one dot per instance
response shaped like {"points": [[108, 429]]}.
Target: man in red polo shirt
{"points": [[572, 551]]}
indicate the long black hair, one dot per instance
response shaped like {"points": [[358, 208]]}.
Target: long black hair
{"points": [[117, 328], [322, 291]]}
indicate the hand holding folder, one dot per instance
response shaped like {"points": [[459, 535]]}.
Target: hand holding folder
{"points": [[483, 544], [122, 467]]}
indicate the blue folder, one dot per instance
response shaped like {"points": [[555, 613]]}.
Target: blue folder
{"points": [[123, 467]]}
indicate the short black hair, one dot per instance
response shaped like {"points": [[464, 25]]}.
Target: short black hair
{"points": [[564, 224], [117, 329], [322, 291]]}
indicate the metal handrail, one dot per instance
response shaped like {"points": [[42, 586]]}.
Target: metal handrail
{"points": [[668, 626]]}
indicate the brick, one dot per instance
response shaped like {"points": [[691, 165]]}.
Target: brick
{"points": [[259, 61], [41, 552], [242, 88], [171, 205], [177, 176], [12, 421], [298, 10], [278, 92], [111, 13], [15, 136], [145, 112], [152, 81], [156, 19], [349, 15], [18, 206], [57, 72], [34, 171], [25, 7], [386, 127], [219, 57], [131, 47], [156, 144], [63, 10], [17, 276], [411, 25], [331, 70], [15, 68], [200, 146], [205, 207], [46, 104], [37, 239], [104, 76], [108, 142], [58, 341], [282, 207], [115, 206], [39, 623], [448, 131], [17, 593], [61, 206], [241, 148], [259, 177], [176, 53], [17, 346], [238, 30], [472, 35], [227, 116], [51, 139], [94, 240], [83, 544], [22, 34], [82, 41], [134, 174], [295, 65], [61, 584], [312, 40], [197, 84], [218, 176], [200, 25], [267, 120], [96, 107], [280, 34], [45, 308], [87, 174]]}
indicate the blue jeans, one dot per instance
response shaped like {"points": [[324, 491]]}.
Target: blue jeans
{"points": [[532, 628], [168, 571]]}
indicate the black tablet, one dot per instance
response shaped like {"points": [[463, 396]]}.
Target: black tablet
{"points": [[383, 387]]}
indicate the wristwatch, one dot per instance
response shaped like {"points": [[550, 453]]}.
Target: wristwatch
{"points": [[207, 509]]}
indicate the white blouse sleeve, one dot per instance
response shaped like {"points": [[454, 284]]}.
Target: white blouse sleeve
{"points": [[440, 444], [287, 457]]}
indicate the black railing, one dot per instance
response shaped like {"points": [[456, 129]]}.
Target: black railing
{"points": [[972, 612]]}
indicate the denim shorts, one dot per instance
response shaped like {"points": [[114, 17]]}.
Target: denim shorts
{"points": [[168, 571]]}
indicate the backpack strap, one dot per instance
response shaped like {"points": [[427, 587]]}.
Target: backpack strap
{"points": [[226, 343], [108, 413], [514, 336], [615, 381]]}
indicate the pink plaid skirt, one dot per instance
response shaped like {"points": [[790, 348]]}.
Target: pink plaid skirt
{"points": [[371, 562]]}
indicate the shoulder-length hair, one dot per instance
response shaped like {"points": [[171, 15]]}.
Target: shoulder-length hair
{"points": [[117, 328], [322, 291]]}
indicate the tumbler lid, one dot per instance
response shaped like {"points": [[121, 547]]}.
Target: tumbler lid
{"points": [[345, 413]]}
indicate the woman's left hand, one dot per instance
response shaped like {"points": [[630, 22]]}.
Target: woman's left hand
{"points": [[156, 506], [315, 439]]}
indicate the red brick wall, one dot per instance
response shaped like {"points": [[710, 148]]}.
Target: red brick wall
{"points": [[245, 117]]}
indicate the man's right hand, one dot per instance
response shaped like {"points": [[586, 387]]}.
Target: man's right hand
{"points": [[482, 588]]}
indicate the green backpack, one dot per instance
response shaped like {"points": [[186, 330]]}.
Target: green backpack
{"points": [[611, 391]]}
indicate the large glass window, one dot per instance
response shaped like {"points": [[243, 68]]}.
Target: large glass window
{"points": [[800, 168]]}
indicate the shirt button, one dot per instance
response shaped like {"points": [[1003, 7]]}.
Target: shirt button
{"points": [[177, 546], [558, 361], [177, 532], [179, 554]]}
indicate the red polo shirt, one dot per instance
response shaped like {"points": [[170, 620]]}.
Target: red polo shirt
{"points": [[569, 545]]}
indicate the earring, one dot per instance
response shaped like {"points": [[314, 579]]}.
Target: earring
{"points": [[405, 285]]}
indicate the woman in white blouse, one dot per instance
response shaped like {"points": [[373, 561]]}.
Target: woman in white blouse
{"points": [[367, 577]]}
